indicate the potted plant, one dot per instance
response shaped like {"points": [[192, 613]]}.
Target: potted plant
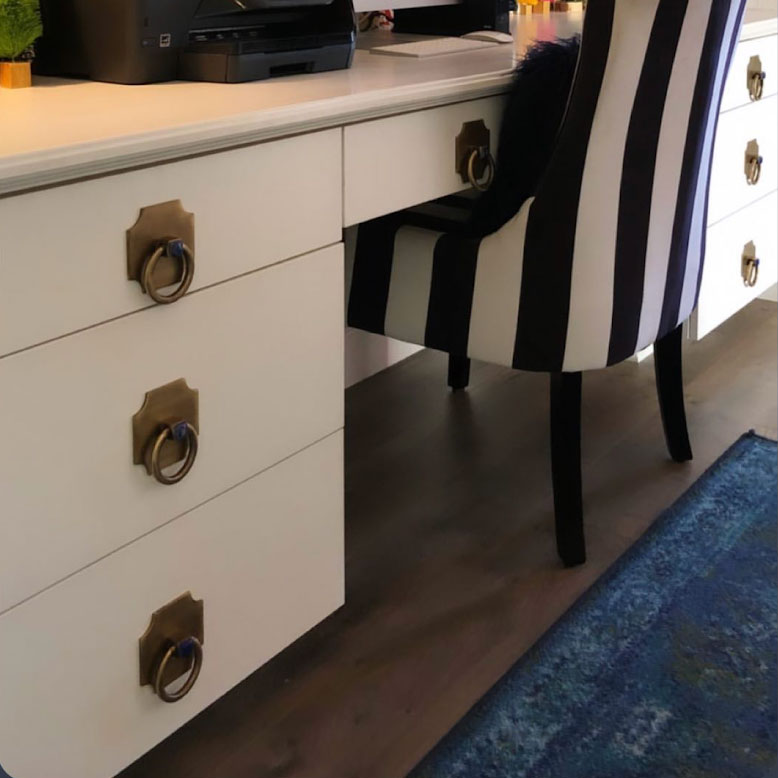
{"points": [[20, 27]]}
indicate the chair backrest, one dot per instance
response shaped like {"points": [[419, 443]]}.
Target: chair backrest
{"points": [[614, 237]]}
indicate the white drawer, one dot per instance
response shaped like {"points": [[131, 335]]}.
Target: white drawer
{"points": [[736, 91], [63, 251], [265, 352], [393, 163], [729, 190], [723, 293], [266, 558]]}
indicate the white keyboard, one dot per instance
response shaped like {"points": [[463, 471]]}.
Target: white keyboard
{"points": [[434, 47]]}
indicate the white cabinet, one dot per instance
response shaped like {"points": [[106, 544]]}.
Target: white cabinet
{"points": [[265, 352], [266, 558], [752, 57], [742, 132], [63, 261], [742, 213], [391, 164], [723, 291], [91, 544]]}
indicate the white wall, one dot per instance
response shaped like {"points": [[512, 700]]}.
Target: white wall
{"points": [[367, 354]]}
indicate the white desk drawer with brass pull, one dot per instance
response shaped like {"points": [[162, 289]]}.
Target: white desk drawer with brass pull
{"points": [[412, 157], [753, 74], [745, 158], [266, 559], [732, 246], [264, 356], [63, 251]]}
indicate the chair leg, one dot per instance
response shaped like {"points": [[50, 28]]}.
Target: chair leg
{"points": [[566, 466], [458, 372], [669, 387]]}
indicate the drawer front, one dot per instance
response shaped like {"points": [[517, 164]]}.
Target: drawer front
{"points": [[723, 293], [266, 558], [405, 160], [63, 259], [748, 55], [265, 352], [729, 189]]}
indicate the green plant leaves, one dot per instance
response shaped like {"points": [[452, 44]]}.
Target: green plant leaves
{"points": [[20, 27]]}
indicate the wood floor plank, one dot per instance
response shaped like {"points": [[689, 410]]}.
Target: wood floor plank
{"points": [[450, 562]]}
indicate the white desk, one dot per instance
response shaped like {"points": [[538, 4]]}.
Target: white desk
{"points": [[75, 128], [91, 545]]}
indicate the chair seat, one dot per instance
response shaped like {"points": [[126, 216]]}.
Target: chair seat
{"points": [[421, 276]]}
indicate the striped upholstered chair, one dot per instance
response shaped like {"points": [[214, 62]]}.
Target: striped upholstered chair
{"points": [[604, 260]]}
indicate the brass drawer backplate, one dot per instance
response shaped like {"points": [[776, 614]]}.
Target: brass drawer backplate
{"points": [[749, 265], [177, 621], [753, 163], [473, 159], [156, 224], [755, 77], [171, 403]]}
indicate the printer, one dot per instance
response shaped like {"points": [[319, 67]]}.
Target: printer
{"points": [[146, 41]]}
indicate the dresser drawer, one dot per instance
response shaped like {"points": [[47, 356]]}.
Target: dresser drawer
{"points": [[749, 56], [266, 558], [393, 163], [723, 292], [729, 189], [265, 352], [63, 252]]}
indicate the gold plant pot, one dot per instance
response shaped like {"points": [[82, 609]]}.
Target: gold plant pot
{"points": [[15, 75]]}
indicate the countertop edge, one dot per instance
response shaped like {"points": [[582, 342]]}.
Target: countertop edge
{"points": [[35, 170], [57, 166], [759, 28]]}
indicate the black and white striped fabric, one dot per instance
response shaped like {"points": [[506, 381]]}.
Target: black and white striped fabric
{"points": [[607, 256]]}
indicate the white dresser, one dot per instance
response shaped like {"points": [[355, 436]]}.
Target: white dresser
{"points": [[242, 377], [92, 544], [743, 209], [112, 582]]}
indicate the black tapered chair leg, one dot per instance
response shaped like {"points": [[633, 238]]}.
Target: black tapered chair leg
{"points": [[669, 387], [458, 372], [566, 467]]}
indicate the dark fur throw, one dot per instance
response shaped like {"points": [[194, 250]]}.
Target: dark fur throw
{"points": [[533, 114]]}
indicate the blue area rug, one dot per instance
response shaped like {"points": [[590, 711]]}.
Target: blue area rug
{"points": [[666, 667]]}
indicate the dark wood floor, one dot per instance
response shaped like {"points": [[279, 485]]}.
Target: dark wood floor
{"points": [[451, 570]]}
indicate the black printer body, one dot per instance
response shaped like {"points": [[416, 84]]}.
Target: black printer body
{"points": [[146, 41]]}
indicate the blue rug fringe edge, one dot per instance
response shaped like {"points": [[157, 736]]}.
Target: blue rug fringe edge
{"points": [[749, 434]]}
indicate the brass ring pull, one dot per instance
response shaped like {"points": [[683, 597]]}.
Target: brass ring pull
{"points": [[191, 646], [756, 86], [475, 156], [178, 250], [754, 170], [750, 272], [181, 431]]}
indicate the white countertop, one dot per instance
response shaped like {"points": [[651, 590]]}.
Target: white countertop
{"points": [[62, 130], [760, 21]]}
